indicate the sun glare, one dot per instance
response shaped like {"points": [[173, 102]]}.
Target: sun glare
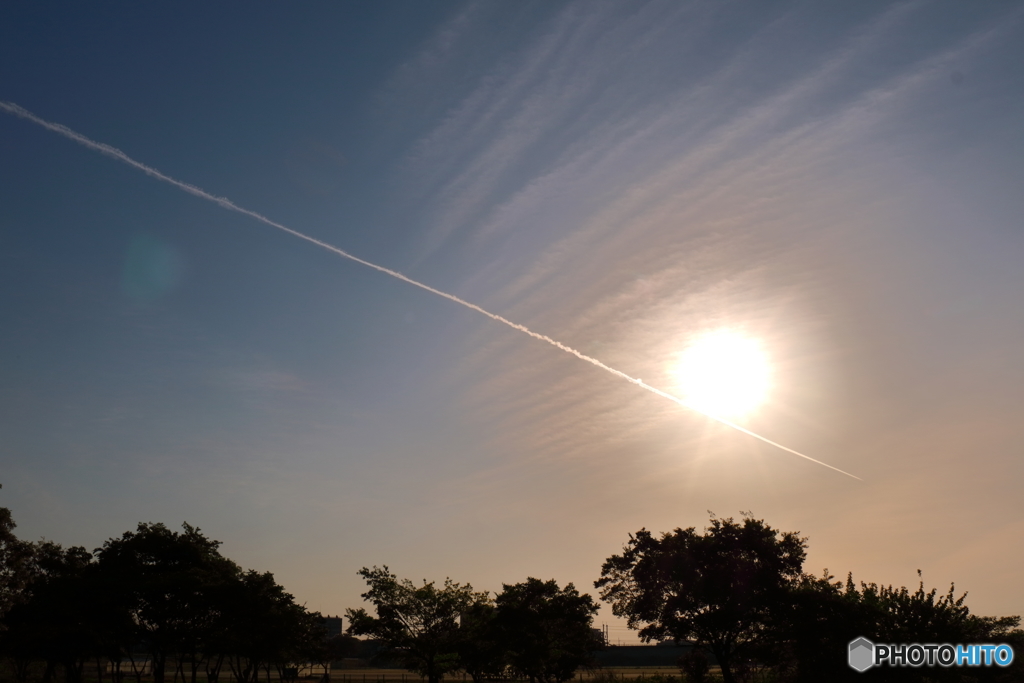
{"points": [[724, 374]]}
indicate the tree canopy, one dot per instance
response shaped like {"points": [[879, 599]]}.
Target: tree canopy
{"points": [[167, 583], [546, 630], [419, 622], [718, 588], [738, 592], [152, 593], [824, 615], [532, 629], [15, 562]]}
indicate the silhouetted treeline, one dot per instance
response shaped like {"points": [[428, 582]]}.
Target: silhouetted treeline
{"points": [[738, 592], [531, 630], [154, 595]]}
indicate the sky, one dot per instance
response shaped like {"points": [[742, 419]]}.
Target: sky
{"points": [[836, 183]]}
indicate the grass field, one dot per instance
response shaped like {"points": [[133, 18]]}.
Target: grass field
{"points": [[659, 674], [602, 675]]}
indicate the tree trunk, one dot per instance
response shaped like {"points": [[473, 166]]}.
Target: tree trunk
{"points": [[138, 670], [73, 670], [116, 675], [159, 661], [213, 674], [727, 676], [725, 662], [21, 666], [135, 669]]}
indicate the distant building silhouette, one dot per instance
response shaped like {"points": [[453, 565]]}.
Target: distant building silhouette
{"points": [[333, 626]]}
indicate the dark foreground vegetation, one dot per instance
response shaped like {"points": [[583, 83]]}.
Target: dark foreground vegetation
{"points": [[533, 630], [154, 601], [738, 592], [167, 606]]}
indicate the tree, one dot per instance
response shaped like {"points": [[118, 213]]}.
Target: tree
{"points": [[825, 615], [15, 562], [171, 594], [52, 621], [49, 607], [164, 581], [265, 628], [719, 589], [481, 647], [421, 623], [546, 630]]}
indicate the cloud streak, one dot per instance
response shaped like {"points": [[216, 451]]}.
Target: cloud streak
{"points": [[223, 202]]}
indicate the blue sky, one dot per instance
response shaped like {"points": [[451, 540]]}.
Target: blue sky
{"points": [[840, 183]]}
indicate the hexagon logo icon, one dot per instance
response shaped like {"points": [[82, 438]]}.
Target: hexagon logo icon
{"points": [[862, 654]]}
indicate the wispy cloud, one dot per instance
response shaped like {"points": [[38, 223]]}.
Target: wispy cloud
{"points": [[694, 205], [231, 206]]}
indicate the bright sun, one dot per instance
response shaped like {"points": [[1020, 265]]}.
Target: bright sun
{"points": [[724, 374]]}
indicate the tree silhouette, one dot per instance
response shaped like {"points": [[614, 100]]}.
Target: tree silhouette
{"points": [[15, 562], [164, 595], [164, 579], [546, 630], [420, 623], [719, 588], [481, 647], [265, 628], [825, 615], [51, 622]]}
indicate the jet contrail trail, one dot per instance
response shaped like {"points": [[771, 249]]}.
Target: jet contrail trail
{"points": [[226, 203]]}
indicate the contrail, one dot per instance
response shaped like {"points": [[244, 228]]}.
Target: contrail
{"points": [[226, 203]]}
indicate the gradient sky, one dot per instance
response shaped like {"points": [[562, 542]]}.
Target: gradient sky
{"points": [[841, 181]]}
